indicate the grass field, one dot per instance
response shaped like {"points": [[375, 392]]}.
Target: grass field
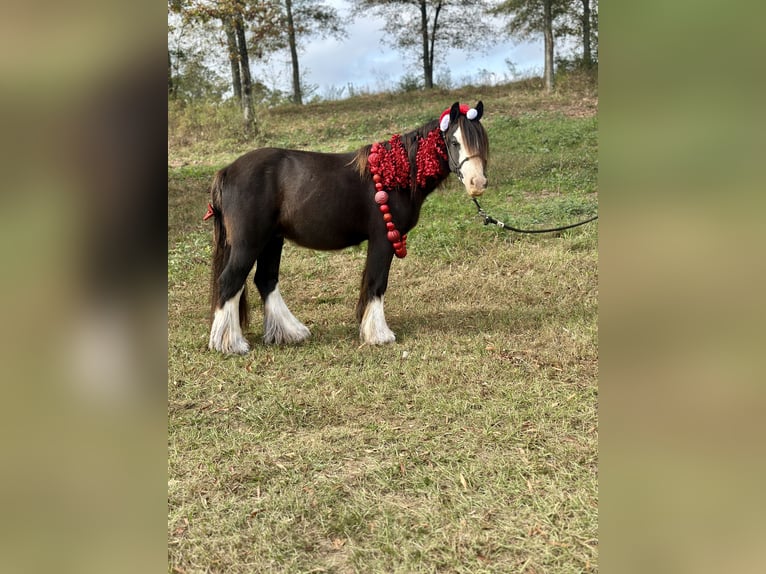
{"points": [[470, 444]]}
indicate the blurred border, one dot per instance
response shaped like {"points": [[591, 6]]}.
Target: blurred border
{"points": [[681, 281], [682, 273], [84, 346]]}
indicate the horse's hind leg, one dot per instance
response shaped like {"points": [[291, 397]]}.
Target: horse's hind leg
{"points": [[279, 324], [226, 332]]}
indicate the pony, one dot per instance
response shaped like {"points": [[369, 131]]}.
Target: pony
{"points": [[330, 201]]}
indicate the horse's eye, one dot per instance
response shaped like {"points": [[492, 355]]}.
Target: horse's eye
{"points": [[455, 143]]}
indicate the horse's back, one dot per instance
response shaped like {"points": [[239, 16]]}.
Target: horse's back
{"points": [[316, 199], [291, 170]]}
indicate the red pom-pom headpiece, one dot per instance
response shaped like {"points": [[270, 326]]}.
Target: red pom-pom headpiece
{"points": [[444, 119]]}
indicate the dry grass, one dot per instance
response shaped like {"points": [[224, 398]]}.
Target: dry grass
{"points": [[469, 445]]}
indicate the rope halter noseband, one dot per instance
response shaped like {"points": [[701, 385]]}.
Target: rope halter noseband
{"points": [[454, 166]]}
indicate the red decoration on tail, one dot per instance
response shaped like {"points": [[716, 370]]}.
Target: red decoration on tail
{"points": [[210, 213]]}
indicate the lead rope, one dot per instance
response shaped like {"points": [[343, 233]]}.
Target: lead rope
{"points": [[455, 168], [488, 219]]}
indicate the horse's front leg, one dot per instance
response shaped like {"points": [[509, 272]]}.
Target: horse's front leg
{"points": [[373, 329]]}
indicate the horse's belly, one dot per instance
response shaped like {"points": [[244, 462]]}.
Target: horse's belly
{"points": [[319, 227], [326, 243]]}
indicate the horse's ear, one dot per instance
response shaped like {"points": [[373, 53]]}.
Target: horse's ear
{"points": [[479, 110], [454, 113]]}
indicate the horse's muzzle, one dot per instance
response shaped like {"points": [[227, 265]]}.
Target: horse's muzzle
{"points": [[476, 186]]}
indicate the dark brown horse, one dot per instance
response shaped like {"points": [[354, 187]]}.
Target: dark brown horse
{"points": [[330, 201]]}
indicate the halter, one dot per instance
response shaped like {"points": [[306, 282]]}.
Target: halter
{"points": [[444, 125], [454, 166]]}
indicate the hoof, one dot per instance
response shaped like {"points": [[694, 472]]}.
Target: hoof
{"points": [[225, 332], [373, 330], [382, 338], [230, 346], [279, 325], [283, 336]]}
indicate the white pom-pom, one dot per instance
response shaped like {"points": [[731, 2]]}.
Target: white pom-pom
{"points": [[444, 125], [471, 114]]}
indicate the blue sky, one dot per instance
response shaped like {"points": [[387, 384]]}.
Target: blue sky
{"points": [[364, 60]]}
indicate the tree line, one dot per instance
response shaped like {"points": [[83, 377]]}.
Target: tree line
{"points": [[422, 29]]}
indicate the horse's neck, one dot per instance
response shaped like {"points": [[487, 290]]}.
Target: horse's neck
{"points": [[416, 199], [432, 185]]}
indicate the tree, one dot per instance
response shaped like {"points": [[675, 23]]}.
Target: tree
{"points": [[296, 20], [423, 26], [580, 21], [254, 28], [587, 58], [531, 17], [248, 114], [233, 16], [195, 81], [233, 52], [548, 35], [189, 74], [587, 30], [171, 88], [291, 40]]}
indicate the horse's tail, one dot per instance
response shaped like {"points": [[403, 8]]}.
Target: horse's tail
{"points": [[221, 250]]}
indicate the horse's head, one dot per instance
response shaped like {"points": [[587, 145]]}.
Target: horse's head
{"points": [[467, 145]]}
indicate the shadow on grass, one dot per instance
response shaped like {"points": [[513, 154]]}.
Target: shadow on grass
{"points": [[479, 321], [338, 329], [476, 320]]}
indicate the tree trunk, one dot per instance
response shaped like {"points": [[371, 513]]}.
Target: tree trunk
{"points": [[248, 115], [171, 88], [231, 41], [297, 95], [587, 59], [428, 71], [548, 34], [433, 40]]}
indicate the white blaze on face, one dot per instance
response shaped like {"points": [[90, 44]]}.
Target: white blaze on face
{"points": [[473, 170]]}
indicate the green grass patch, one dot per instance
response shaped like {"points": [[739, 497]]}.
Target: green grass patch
{"points": [[470, 444]]}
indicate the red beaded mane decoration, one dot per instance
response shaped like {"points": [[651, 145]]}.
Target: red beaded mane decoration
{"points": [[390, 170], [426, 159], [391, 165]]}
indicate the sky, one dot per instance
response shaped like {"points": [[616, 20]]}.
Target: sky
{"points": [[368, 63]]}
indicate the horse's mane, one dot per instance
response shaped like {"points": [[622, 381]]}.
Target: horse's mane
{"points": [[409, 141], [360, 161], [474, 136]]}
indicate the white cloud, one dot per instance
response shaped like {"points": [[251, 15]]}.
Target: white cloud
{"points": [[366, 61]]}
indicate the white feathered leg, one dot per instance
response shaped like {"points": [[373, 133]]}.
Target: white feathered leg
{"points": [[373, 329], [279, 324], [226, 334]]}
